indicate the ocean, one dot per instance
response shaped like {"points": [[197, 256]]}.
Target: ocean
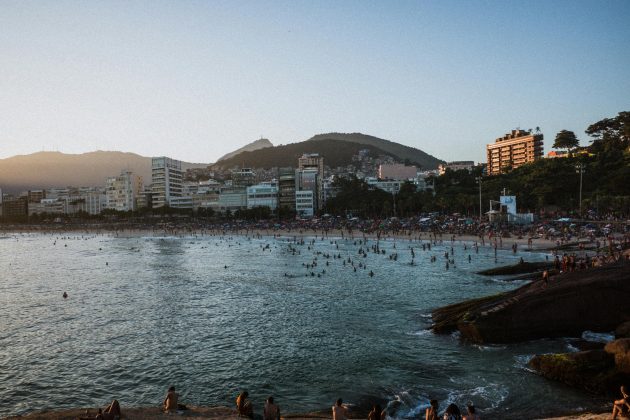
{"points": [[213, 315]]}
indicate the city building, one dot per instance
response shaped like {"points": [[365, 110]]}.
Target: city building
{"points": [[456, 166], [122, 191], [390, 186], [396, 171], [263, 195], [47, 206], [36, 196], [166, 180], [513, 150], [286, 188], [557, 154], [305, 203], [315, 162], [243, 177], [232, 199], [14, 206]]}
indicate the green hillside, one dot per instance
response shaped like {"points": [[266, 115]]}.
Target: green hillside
{"points": [[402, 152], [335, 152]]}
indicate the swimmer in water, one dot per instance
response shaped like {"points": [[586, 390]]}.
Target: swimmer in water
{"points": [[65, 295]]}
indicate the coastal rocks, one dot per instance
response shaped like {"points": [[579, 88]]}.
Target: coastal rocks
{"points": [[598, 371], [623, 330], [620, 350], [592, 370], [595, 299]]}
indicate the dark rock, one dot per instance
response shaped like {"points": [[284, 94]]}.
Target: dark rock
{"points": [[583, 345], [623, 330], [620, 350], [521, 268], [594, 299], [592, 370]]}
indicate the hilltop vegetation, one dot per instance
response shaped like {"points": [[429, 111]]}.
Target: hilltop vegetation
{"points": [[335, 152], [337, 149], [402, 152]]}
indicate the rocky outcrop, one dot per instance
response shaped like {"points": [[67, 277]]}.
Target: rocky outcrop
{"points": [[599, 371], [620, 350], [592, 370], [597, 299]]}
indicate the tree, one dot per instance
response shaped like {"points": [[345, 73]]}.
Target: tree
{"points": [[612, 133], [566, 139]]}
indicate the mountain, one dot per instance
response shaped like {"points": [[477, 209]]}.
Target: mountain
{"points": [[256, 145], [336, 148], [335, 152], [56, 169], [402, 152]]}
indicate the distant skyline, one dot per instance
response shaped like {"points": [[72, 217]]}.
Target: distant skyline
{"points": [[195, 80]]}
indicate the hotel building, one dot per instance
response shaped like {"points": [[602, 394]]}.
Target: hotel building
{"points": [[513, 150]]}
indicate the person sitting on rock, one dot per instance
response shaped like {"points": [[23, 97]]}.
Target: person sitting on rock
{"points": [[244, 406], [271, 410], [170, 402], [620, 405], [111, 412]]}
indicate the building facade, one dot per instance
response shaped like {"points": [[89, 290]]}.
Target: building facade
{"points": [[286, 188], [314, 162], [166, 179], [513, 150], [263, 195], [122, 191], [456, 166], [396, 171]]}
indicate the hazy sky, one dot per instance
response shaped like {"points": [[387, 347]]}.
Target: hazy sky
{"points": [[194, 80]]}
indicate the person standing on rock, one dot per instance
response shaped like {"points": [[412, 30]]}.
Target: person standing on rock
{"points": [[619, 405]]}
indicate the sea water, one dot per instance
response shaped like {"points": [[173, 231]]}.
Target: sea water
{"points": [[215, 315]]}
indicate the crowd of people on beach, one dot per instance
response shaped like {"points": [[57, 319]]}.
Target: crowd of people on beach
{"points": [[339, 411]]}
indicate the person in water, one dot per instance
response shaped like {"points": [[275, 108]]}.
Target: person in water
{"points": [[339, 412], [432, 412], [624, 402], [244, 406], [170, 402], [271, 410]]}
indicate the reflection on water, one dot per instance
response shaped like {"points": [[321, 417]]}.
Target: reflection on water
{"points": [[215, 315]]}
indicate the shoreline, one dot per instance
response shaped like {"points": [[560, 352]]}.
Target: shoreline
{"points": [[537, 244], [225, 413]]}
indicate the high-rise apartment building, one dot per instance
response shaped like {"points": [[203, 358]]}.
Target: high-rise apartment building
{"points": [[286, 188], [513, 150], [313, 161], [166, 178], [307, 186], [122, 191]]}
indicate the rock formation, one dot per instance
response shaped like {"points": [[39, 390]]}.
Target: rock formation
{"points": [[596, 299]]}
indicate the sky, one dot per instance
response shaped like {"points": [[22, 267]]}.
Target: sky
{"points": [[194, 80]]}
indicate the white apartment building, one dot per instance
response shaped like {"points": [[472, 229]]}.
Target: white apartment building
{"points": [[305, 203], [166, 178], [122, 191], [263, 195]]}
